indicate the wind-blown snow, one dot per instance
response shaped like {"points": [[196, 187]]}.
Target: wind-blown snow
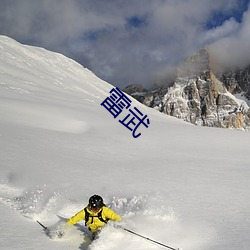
{"points": [[179, 184]]}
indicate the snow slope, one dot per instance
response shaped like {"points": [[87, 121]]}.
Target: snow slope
{"points": [[179, 184]]}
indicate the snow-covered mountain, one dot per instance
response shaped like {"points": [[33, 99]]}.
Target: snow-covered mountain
{"points": [[182, 185], [201, 96]]}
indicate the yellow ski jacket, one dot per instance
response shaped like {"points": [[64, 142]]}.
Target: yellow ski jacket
{"points": [[94, 223]]}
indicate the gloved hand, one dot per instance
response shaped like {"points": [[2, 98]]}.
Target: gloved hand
{"points": [[118, 226], [62, 230], [60, 233]]}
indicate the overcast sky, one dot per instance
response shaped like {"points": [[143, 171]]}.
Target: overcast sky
{"points": [[131, 41]]}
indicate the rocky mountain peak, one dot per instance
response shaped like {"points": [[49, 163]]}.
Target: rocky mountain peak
{"points": [[200, 96], [196, 64]]}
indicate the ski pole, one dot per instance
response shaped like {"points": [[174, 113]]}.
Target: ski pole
{"points": [[45, 228], [146, 238]]}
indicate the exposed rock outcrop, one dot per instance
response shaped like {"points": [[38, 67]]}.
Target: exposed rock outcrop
{"points": [[199, 96]]}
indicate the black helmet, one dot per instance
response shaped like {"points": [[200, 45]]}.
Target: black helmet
{"points": [[96, 202]]}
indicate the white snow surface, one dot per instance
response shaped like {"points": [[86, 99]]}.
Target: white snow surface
{"points": [[182, 185]]}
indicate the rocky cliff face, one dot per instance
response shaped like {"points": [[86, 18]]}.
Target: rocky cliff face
{"points": [[199, 96], [237, 81]]}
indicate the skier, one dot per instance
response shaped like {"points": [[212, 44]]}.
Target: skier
{"points": [[95, 214]]}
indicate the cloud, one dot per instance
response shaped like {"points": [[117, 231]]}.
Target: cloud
{"points": [[233, 49], [121, 41], [228, 28]]}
